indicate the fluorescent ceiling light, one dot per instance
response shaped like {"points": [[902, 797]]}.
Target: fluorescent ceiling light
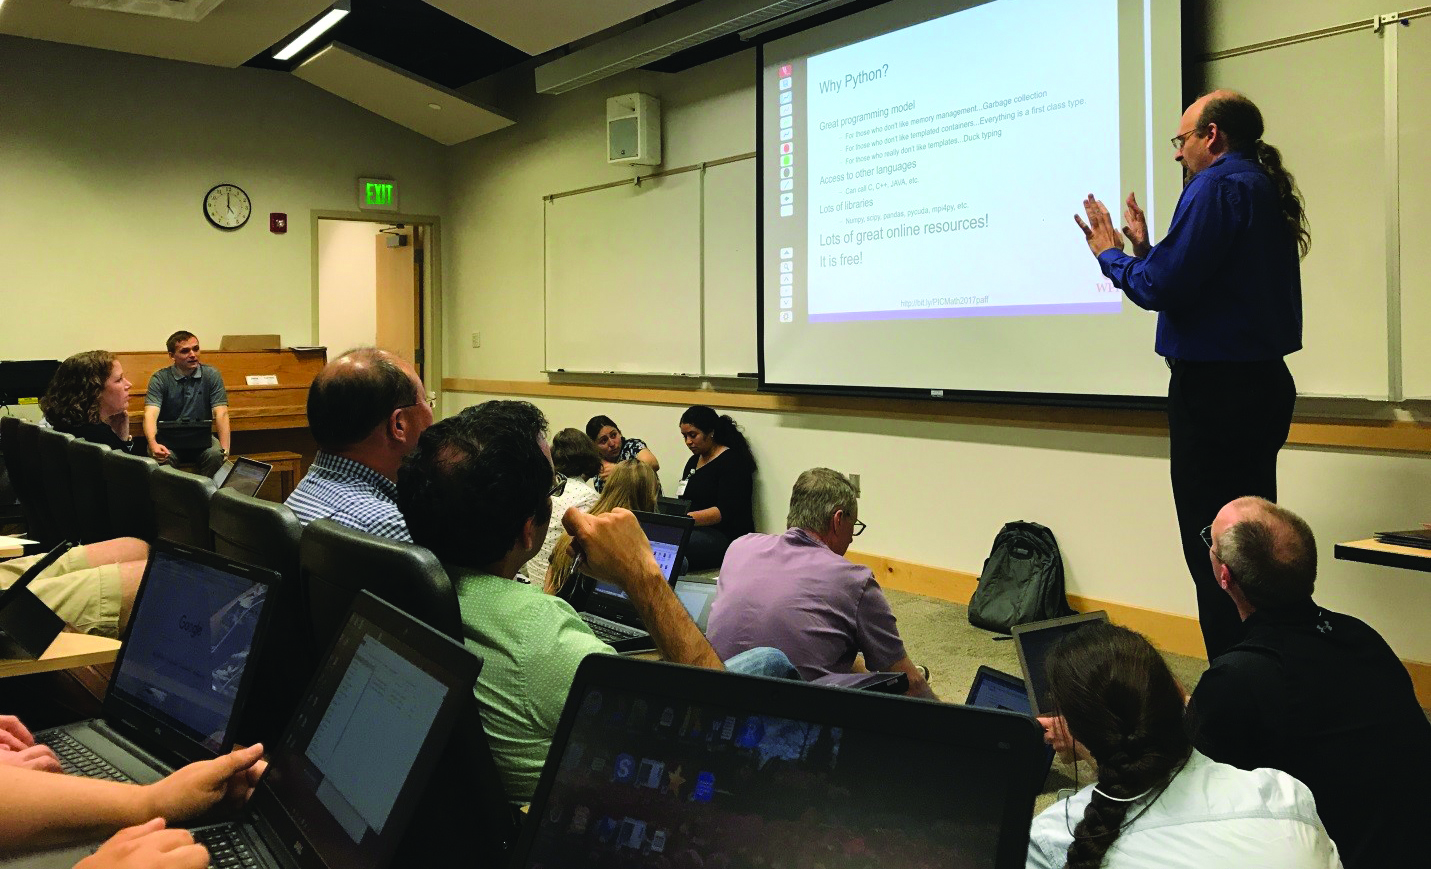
{"points": [[335, 14]]}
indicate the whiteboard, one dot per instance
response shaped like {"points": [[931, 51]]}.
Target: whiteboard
{"points": [[1414, 59], [1339, 167], [729, 243], [623, 278]]}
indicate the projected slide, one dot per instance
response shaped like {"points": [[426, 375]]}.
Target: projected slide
{"points": [[918, 145], [920, 163]]}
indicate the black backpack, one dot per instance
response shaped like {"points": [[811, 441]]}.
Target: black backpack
{"points": [[1022, 580]]}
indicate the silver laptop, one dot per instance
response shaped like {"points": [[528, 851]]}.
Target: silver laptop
{"points": [[181, 675], [696, 594], [1034, 641], [243, 475]]}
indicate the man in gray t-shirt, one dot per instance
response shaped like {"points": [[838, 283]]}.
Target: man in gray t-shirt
{"points": [[187, 390], [798, 593]]}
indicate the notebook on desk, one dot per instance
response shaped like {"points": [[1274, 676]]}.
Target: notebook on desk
{"points": [[608, 611], [655, 763], [1419, 538], [181, 674]]}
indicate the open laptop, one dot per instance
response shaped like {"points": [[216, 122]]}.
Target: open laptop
{"points": [[181, 674], [995, 689], [1033, 642], [673, 506], [609, 612], [186, 434], [697, 594], [243, 475], [655, 760], [343, 781]]}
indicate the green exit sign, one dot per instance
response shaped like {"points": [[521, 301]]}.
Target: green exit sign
{"points": [[377, 194]]}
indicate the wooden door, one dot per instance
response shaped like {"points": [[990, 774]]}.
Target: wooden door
{"points": [[399, 290]]}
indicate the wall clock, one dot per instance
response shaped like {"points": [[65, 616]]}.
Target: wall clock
{"points": [[227, 206]]}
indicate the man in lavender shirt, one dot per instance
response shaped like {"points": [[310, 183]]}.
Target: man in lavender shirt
{"points": [[798, 593]]}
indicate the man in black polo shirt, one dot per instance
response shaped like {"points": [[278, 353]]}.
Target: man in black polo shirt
{"points": [[187, 390], [1316, 694]]}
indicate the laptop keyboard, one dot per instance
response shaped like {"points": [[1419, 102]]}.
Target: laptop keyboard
{"points": [[77, 759], [227, 849], [610, 631]]}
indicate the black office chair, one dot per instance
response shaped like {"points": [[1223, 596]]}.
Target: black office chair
{"points": [[126, 489], [53, 448], [16, 458], [265, 534], [466, 817], [87, 485], [181, 506]]}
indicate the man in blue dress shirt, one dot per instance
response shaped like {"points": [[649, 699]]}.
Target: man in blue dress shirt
{"points": [[1226, 283]]}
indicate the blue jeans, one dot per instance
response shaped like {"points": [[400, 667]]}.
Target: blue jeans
{"points": [[763, 661]]}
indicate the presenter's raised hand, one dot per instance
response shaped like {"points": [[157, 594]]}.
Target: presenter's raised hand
{"points": [[1135, 227], [1099, 231]]}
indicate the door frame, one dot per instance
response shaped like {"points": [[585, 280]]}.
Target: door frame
{"points": [[431, 289]]}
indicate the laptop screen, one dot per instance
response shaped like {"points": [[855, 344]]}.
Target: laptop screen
{"points": [[696, 596], [349, 752], [246, 476], [992, 692], [666, 540], [1035, 642], [188, 645], [649, 779]]}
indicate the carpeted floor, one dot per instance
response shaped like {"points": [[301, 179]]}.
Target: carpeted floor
{"points": [[938, 635]]}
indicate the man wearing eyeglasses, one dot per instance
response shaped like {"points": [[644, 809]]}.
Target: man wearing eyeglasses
{"points": [[798, 593], [366, 410], [1226, 283]]}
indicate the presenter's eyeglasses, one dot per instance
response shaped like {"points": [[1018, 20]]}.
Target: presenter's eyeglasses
{"points": [[1180, 138]]}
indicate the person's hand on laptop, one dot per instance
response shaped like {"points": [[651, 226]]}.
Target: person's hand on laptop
{"points": [[148, 846], [613, 546], [198, 787], [18, 748]]}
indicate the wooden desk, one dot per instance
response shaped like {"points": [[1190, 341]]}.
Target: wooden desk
{"points": [[10, 547], [1373, 551], [68, 650]]}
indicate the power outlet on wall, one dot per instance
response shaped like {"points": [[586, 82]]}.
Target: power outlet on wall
{"points": [[476, 340], [855, 481]]}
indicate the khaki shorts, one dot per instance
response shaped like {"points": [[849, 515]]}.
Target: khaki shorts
{"points": [[86, 597]]}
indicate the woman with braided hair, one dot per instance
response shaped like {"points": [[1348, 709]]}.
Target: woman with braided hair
{"points": [[1158, 802]]}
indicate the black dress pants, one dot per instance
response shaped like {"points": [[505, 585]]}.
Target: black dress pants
{"points": [[1226, 423]]}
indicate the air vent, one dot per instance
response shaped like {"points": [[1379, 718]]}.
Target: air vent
{"points": [[178, 10], [658, 39]]}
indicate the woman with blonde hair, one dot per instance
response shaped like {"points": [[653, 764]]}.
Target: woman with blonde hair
{"points": [[632, 484]]}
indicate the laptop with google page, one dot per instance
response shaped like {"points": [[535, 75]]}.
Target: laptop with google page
{"points": [[609, 612], [657, 764], [181, 674]]}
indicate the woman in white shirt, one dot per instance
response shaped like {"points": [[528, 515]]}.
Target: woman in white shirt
{"points": [[1158, 803], [576, 461]]}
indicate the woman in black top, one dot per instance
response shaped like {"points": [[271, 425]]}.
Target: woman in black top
{"points": [[718, 482], [89, 398]]}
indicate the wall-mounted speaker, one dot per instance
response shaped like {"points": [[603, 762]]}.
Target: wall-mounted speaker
{"points": [[633, 130]]}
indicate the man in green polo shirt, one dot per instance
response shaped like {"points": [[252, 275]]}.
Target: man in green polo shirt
{"points": [[476, 492]]}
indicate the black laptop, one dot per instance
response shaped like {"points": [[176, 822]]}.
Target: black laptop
{"points": [[243, 475], [995, 689], [659, 764], [673, 506], [181, 674], [342, 783], [609, 612], [1034, 641], [186, 434]]}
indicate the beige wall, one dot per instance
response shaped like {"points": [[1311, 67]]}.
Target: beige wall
{"points": [[104, 158], [347, 284], [933, 493]]}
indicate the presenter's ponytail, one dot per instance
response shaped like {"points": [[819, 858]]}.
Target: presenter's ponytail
{"points": [[722, 428], [1239, 119]]}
